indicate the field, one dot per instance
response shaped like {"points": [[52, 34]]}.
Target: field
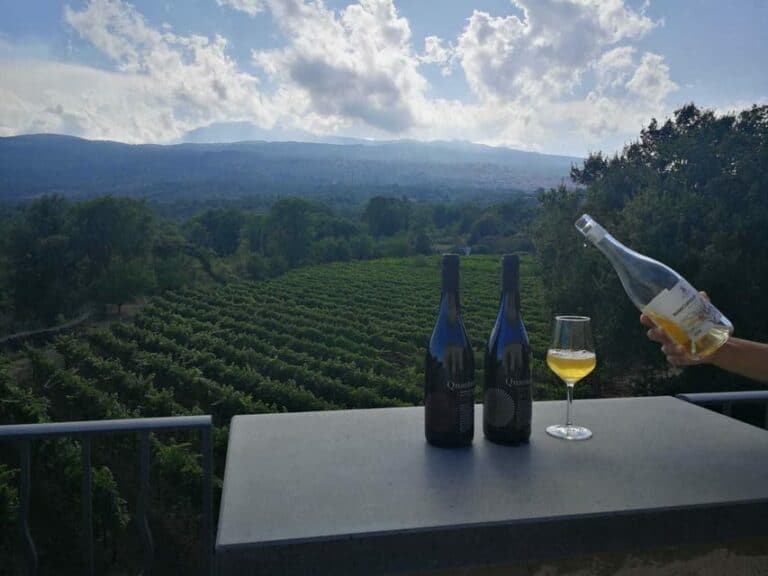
{"points": [[343, 335]]}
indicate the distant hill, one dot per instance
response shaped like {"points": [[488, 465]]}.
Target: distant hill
{"points": [[42, 164]]}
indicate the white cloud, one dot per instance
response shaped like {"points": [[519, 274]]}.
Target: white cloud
{"points": [[55, 97], [250, 7], [545, 53], [534, 68], [165, 84], [436, 53], [614, 66], [354, 66], [561, 75], [651, 83]]}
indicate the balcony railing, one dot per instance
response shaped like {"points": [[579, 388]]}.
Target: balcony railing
{"points": [[24, 434], [726, 400]]}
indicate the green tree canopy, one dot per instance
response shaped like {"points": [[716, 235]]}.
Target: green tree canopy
{"points": [[692, 193], [387, 216]]}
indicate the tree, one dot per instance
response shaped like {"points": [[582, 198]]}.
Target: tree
{"points": [[218, 230], [288, 232], [108, 227], [487, 225], [42, 283], [422, 243], [253, 232], [387, 216], [689, 192], [41, 263], [122, 282]]}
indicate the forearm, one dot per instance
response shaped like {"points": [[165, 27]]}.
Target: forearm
{"points": [[743, 357]]}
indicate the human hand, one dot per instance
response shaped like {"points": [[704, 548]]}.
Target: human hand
{"points": [[676, 354]]}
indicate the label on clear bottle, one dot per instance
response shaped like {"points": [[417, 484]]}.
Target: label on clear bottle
{"points": [[686, 308]]}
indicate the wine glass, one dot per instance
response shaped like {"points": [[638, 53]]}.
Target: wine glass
{"points": [[571, 356]]}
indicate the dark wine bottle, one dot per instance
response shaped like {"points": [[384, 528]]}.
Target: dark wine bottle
{"points": [[449, 384], [507, 374]]}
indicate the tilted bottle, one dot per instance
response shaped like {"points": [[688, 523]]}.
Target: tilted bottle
{"points": [[507, 376], [449, 383], [662, 294]]}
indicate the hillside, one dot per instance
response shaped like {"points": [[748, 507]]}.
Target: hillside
{"points": [[39, 164], [344, 335]]}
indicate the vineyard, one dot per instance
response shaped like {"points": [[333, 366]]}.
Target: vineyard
{"points": [[345, 335]]}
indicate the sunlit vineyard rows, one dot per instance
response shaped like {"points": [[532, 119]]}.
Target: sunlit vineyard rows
{"points": [[347, 335], [336, 336], [344, 335]]}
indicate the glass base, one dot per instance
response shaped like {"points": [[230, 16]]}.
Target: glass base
{"points": [[569, 432]]}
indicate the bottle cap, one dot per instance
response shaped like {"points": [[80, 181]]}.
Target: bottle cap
{"points": [[591, 229]]}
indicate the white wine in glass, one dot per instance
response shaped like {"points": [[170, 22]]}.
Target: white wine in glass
{"points": [[572, 357]]}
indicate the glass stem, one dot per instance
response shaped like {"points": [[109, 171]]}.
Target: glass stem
{"points": [[568, 408]]}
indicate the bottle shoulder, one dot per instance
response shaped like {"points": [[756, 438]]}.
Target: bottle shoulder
{"points": [[448, 334]]}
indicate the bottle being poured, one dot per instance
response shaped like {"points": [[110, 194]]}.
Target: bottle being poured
{"points": [[662, 294]]}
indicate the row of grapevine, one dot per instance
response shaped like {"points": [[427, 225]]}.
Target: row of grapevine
{"points": [[345, 335]]}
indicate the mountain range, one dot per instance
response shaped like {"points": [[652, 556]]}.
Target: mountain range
{"points": [[33, 165]]}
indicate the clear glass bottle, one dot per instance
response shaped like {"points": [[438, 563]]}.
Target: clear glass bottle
{"points": [[662, 294]]}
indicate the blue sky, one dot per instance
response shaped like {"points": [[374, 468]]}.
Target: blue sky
{"points": [[559, 76]]}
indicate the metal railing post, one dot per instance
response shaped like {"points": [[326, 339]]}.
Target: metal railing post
{"points": [[25, 493], [86, 496], [142, 506], [23, 434], [206, 525]]}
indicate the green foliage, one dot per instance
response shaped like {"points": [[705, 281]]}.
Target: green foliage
{"points": [[288, 230], [61, 258], [105, 228], [690, 193], [342, 335], [218, 230], [123, 282], [60, 254], [39, 258], [386, 216]]}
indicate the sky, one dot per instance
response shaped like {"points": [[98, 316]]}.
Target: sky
{"points": [[555, 76]]}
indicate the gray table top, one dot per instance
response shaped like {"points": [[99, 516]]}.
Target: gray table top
{"points": [[335, 477]]}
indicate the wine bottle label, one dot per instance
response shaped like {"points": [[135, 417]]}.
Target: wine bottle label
{"points": [[683, 306], [451, 409], [509, 403], [466, 402], [456, 386]]}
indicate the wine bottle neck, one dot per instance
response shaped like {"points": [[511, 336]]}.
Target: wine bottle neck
{"points": [[450, 302], [510, 302], [620, 257], [614, 250], [510, 285]]}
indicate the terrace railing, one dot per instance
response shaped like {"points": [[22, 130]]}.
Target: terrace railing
{"points": [[726, 400], [24, 434]]}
